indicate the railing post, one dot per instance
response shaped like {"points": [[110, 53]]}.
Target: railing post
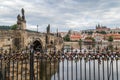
{"points": [[31, 64]]}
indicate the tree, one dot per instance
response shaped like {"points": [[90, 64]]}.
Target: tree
{"points": [[97, 31], [14, 27], [80, 43], [119, 32], [66, 38], [103, 32], [110, 39], [90, 32], [5, 27], [93, 39], [90, 38]]}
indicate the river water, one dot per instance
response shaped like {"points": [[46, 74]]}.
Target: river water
{"points": [[88, 70], [82, 70]]}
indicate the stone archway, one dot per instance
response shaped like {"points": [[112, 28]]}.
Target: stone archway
{"points": [[37, 46]]}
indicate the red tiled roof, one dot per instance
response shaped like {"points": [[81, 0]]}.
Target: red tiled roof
{"points": [[115, 36], [75, 36]]}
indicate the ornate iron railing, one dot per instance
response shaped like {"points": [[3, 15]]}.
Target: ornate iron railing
{"points": [[30, 65]]}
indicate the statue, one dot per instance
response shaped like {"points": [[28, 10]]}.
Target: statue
{"points": [[23, 14], [48, 29], [22, 10], [19, 19], [21, 22], [46, 39]]}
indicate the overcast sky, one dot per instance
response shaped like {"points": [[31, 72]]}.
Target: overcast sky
{"points": [[62, 14]]}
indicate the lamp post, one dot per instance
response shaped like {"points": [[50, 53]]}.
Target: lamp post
{"points": [[37, 28]]}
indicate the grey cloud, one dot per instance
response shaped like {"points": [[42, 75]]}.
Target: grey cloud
{"points": [[62, 14]]}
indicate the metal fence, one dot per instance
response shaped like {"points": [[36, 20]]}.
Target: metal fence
{"points": [[30, 65]]}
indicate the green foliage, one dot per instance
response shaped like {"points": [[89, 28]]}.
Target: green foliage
{"points": [[80, 41], [90, 38], [110, 47], [93, 39], [97, 31], [101, 32], [90, 32], [4, 27], [30, 30], [119, 32], [110, 39], [110, 31], [14, 27], [66, 38]]}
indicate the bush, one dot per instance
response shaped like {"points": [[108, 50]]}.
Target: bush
{"points": [[14, 27], [66, 38], [110, 39]]}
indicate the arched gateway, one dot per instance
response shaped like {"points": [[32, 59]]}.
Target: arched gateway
{"points": [[37, 45]]}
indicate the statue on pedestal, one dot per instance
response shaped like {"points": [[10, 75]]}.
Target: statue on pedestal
{"points": [[48, 29], [19, 19], [23, 14], [21, 22]]}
